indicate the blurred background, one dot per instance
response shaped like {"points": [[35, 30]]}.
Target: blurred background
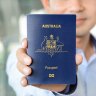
{"points": [[10, 14]]}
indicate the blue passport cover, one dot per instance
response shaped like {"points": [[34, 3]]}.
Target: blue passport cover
{"points": [[52, 46]]}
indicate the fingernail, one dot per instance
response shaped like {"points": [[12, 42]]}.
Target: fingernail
{"points": [[27, 61], [26, 71], [23, 45], [79, 59], [24, 82]]}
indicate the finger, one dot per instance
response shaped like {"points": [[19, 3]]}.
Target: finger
{"points": [[24, 82], [24, 43], [22, 56], [79, 59], [24, 69]]}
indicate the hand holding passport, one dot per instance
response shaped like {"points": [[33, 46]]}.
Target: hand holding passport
{"points": [[51, 54], [52, 45]]}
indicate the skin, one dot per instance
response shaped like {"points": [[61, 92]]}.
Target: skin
{"points": [[85, 11]]}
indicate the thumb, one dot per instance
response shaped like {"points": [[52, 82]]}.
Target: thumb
{"points": [[24, 43], [79, 59]]}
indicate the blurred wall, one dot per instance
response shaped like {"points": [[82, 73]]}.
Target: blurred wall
{"points": [[10, 12]]}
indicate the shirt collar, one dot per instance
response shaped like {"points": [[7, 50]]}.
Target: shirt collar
{"points": [[93, 39]]}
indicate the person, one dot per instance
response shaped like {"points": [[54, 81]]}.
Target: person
{"points": [[85, 11]]}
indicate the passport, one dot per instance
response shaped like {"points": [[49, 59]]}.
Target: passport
{"points": [[52, 47]]}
